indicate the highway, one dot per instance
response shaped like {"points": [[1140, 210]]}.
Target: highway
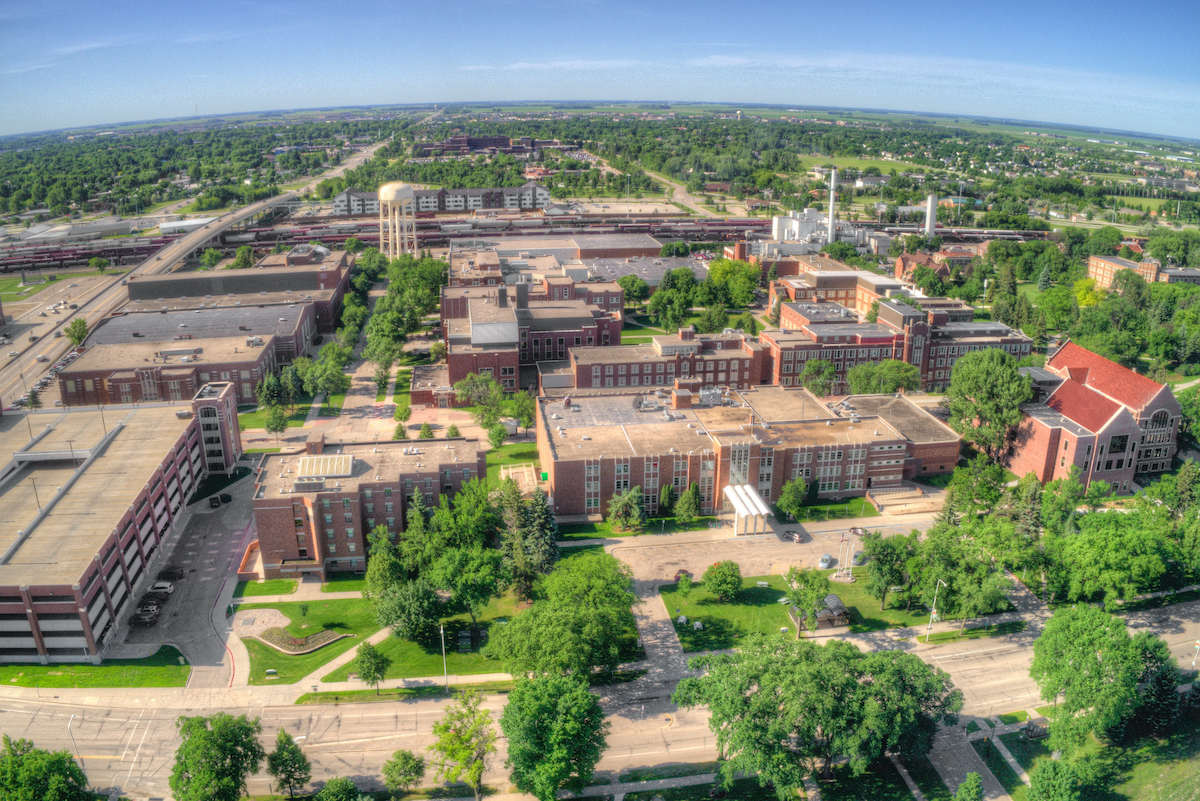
{"points": [[110, 295]]}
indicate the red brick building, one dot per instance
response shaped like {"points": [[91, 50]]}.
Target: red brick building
{"points": [[313, 511], [729, 359], [1105, 268], [1104, 419]]}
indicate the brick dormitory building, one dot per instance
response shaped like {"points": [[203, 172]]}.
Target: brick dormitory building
{"points": [[1103, 269], [1095, 415], [88, 507]]}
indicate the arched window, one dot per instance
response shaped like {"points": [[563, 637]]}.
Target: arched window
{"points": [[1160, 420]]}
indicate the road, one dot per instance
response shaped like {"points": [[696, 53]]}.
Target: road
{"points": [[111, 296]]}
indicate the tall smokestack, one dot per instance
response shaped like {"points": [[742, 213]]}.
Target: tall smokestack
{"points": [[930, 217], [832, 192]]}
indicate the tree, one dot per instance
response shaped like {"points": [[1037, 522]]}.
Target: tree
{"points": [[984, 399], [485, 394], [971, 789], [684, 586], [400, 432], [782, 708], [402, 413], [793, 497], [714, 320], [35, 399], [1052, 780], [277, 421], [426, 431], [76, 331], [524, 408], [33, 774], [807, 588], [747, 323], [353, 245], [472, 575], [243, 259], [625, 510], [288, 764], [211, 258], [873, 313], [817, 377], [302, 608], [886, 377], [1083, 661], [497, 434], [687, 508], [216, 757], [1043, 282], [636, 289], [437, 351], [371, 665], [465, 741], [556, 733], [723, 579], [339, 788], [98, 264], [403, 771], [452, 431], [886, 560], [776, 308], [411, 609], [666, 497]]}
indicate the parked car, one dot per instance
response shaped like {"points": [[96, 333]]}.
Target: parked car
{"points": [[857, 532], [155, 598], [162, 586], [858, 559], [143, 620], [794, 536], [13, 353], [826, 561], [214, 502], [171, 574], [149, 608], [680, 575]]}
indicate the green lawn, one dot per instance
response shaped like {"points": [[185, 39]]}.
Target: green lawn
{"points": [[756, 610], [381, 392], [255, 417], [881, 782], [246, 589], [643, 325], [1026, 752], [511, 453], [840, 510], [941, 481], [331, 407], [741, 790], [345, 582], [410, 660], [927, 778], [403, 394], [400, 693], [646, 340], [999, 630], [1000, 768], [1020, 716], [655, 525], [865, 614], [345, 617], [166, 668], [667, 772], [1029, 289]]}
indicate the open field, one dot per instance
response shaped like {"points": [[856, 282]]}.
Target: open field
{"points": [[353, 617], [167, 668]]}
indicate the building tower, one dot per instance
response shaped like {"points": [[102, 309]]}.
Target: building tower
{"points": [[930, 214], [832, 194], [397, 220]]}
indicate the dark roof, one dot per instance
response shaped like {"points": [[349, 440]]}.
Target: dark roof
{"points": [[207, 324]]}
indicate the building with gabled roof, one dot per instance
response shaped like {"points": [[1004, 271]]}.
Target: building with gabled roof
{"points": [[1104, 419]]}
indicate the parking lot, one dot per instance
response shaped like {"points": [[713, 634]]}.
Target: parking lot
{"points": [[207, 552]]}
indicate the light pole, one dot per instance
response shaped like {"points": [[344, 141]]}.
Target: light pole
{"points": [[75, 743], [445, 673], [933, 611]]}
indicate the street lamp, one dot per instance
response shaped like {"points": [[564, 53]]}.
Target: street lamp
{"points": [[75, 743], [933, 611], [445, 673]]}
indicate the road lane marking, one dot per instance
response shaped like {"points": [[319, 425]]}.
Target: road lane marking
{"points": [[133, 764]]}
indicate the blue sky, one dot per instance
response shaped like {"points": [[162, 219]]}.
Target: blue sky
{"points": [[1098, 63]]}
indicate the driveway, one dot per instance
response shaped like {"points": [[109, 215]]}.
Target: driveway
{"points": [[209, 550]]}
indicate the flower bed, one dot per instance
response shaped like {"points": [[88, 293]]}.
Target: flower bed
{"points": [[282, 640]]}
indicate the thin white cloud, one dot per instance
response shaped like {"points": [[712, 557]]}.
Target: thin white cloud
{"points": [[85, 47], [577, 64], [21, 70]]}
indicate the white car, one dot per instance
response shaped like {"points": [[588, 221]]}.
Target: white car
{"points": [[162, 586], [825, 562]]}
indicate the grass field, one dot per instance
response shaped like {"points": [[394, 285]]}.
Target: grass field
{"points": [[262, 450], [844, 162], [410, 660], [656, 525], [167, 668], [851, 507], [741, 790], [667, 771], [345, 582], [11, 289], [881, 782], [928, 780], [978, 632], [345, 617], [1000, 768], [1029, 289], [247, 589], [865, 614], [255, 417], [511, 453], [400, 693], [755, 610]]}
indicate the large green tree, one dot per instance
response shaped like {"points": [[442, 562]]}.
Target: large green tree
{"points": [[76, 331], [782, 708], [288, 765], [817, 377], [371, 664], [886, 561], [33, 774], [404, 770], [217, 756], [723, 579], [556, 734], [465, 741], [625, 510], [472, 576], [885, 377], [411, 609], [806, 589], [984, 399], [793, 497]]}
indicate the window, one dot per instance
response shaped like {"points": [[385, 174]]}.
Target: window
{"points": [[329, 520], [508, 370], [349, 516], [1118, 444], [350, 547]]}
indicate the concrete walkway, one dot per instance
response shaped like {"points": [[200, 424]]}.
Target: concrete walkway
{"points": [[314, 411]]}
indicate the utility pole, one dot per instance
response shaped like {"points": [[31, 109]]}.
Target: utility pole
{"points": [[933, 611]]}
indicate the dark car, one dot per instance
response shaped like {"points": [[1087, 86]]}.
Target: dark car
{"points": [[214, 502], [171, 574], [149, 608], [152, 599], [143, 620], [226, 498]]}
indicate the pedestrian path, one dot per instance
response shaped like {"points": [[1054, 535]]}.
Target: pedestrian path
{"points": [[314, 411]]}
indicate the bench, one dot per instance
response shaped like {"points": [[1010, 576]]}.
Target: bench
{"points": [[763, 585]]}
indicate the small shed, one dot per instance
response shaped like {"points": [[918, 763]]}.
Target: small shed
{"points": [[834, 614]]}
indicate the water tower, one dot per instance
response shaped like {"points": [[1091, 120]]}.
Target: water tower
{"points": [[397, 220]]}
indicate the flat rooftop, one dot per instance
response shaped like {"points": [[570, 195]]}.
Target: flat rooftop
{"points": [[614, 354], [1052, 419], [285, 298], [361, 463], [651, 269], [556, 315], [207, 324], [916, 424], [594, 241], [610, 426], [145, 353], [70, 536]]}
